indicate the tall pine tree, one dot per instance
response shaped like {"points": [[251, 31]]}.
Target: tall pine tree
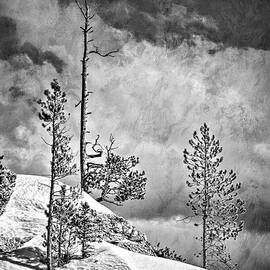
{"points": [[54, 120], [214, 199]]}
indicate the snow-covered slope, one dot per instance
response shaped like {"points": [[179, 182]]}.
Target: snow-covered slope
{"points": [[108, 256], [25, 221], [24, 216]]}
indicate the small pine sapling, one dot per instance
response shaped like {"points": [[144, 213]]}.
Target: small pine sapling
{"points": [[214, 199], [7, 184], [88, 227], [117, 179], [63, 231]]}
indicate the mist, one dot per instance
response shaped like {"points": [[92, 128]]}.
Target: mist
{"points": [[150, 98]]}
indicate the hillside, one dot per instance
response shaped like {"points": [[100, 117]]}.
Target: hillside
{"points": [[24, 222]]}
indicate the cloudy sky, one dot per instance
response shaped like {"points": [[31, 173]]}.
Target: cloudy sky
{"points": [[180, 64]]}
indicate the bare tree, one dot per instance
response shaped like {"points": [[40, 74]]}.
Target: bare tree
{"points": [[87, 30], [214, 199], [54, 120]]}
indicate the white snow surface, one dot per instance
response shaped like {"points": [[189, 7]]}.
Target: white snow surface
{"points": [[108, 257], [24, 215], [24, 218]]}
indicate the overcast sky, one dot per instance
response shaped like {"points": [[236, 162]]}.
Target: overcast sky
{"points": [[151, 97]]}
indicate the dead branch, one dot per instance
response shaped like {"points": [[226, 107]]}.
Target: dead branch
{"points": [[46, 142], [78, 104], [96, 147], [100, 199], [186, 219], [110, 147], [81, 9], [108, 54], [93, 165]]}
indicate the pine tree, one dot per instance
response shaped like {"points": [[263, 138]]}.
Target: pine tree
{"points": [[87, 30], [214, 199], [88, 227], [63, 230], [54, 120], [117, 179], [7, 184]]}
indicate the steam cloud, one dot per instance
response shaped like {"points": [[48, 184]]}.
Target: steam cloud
{"points": [[149, 97], [235, 23], [10, 48]]}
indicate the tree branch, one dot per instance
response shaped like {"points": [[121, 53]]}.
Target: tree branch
{"points": [[46, 142], [93, 165], [110, 147], [98, 151], [81, 9], [108, 54], [78, 104], [186, 219], [100, 199]]}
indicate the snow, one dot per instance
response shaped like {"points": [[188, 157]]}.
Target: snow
{"points": [[24, 215], [136, 261], [24, 218], [95, 205], [106, 256]]}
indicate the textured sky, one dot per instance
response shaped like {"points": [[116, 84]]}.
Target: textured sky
{"points": [[178, 66]]}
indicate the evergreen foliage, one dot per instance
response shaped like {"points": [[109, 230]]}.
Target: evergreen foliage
{"points": [[7, 184], [93, 227], [54, 120], [167, 253], [8, 243], [63, 231], [88, 226], [116, 178], [214, 199]]}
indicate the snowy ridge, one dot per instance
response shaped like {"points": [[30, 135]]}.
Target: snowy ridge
{"points": [[24, 219], [24, 216]]}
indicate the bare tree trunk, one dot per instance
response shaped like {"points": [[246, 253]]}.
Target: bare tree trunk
{"points": [[49, 225], [60, 244], [205, 209], [60, 233], [83, 245], [87, 29], [204, 242], [49, 230], [84, 99]]}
